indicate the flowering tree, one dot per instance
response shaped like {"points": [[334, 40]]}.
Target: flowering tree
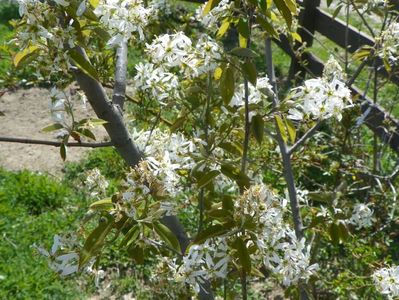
{"points": [[214, 135]]}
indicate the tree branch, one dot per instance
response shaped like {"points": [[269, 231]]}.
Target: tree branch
{"points": [[119, 93], [53, 143], [304, 138]]}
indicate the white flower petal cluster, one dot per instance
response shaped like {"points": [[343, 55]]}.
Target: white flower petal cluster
{"points": [[123, 18], [171, 50], [256, 94], [280, 250], [390, 43], [96, 182], [154, 80], [387, 281], [166, 154], [204, 262], [59, 261], [362, 216], [57, 105], [321, 98], [212, 18]]}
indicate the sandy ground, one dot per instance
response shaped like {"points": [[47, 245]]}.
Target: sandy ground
{"points": [[26, 112]]}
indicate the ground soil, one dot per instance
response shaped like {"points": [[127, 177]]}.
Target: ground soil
{"points": [[23, 113]]}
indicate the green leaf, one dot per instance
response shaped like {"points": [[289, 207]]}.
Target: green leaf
{"points": [[52, 127], [104, 204], [223, 28], [97, 122], [281, 128], [243, 52], [63, 151], [249, 70], [334, 233], [266, 26], [235, 173], [258, 128], [285, 11], [243, 28], [207, 178], [20, 57], [209, 6], [291, 5], [95, 240], [232, 147], [94, 3], [88, 133], [243, 255], [83, 64], [336, 11], [210, 232], [227, 85], [130, 236], [167, 236], [291, 130]]}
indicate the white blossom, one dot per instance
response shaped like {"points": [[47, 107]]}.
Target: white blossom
{"points": [[59, 261], [362, 216], [387, 281]]}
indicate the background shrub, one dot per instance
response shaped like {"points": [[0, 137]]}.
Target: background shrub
{"points": [[37, 192]]}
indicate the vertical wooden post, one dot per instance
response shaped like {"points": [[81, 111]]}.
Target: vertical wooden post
{"points": [[306, 29]]}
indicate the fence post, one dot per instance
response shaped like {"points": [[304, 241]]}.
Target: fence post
{"points": [[306, 29]]}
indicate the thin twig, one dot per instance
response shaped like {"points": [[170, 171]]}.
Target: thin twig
{"points": [[53, 143], [304, 138]]}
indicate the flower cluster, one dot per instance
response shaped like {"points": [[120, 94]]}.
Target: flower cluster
{"points": [[280, 250], [362, 216], [123, 18], [219, 12], [171, 55], [387, 281], [166, 154], [321, 98], [204, 262], [257, 94], [390, 43], [96, 183], [64, 263]]}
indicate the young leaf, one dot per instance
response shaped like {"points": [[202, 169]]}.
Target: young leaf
{"points": [[104, 204], [63, 151], [52, 127], [243, 255], [227, 85], [95, 240], [207, 178], [130, 236], [258, 128], [243, 52], [243, 28], [209, 6], [20, 57], [223, 28], [249, 70], [291, 130], [285, 11], [166, 235], [83, 64], [281, 127]]}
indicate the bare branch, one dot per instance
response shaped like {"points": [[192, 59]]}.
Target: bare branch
{"points": [[53, 143], [118, 97]]}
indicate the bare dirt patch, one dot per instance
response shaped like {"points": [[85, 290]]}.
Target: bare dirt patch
{"points": [[26, 112]]}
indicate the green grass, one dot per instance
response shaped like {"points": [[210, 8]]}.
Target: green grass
{"points": [[25, 274]]}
